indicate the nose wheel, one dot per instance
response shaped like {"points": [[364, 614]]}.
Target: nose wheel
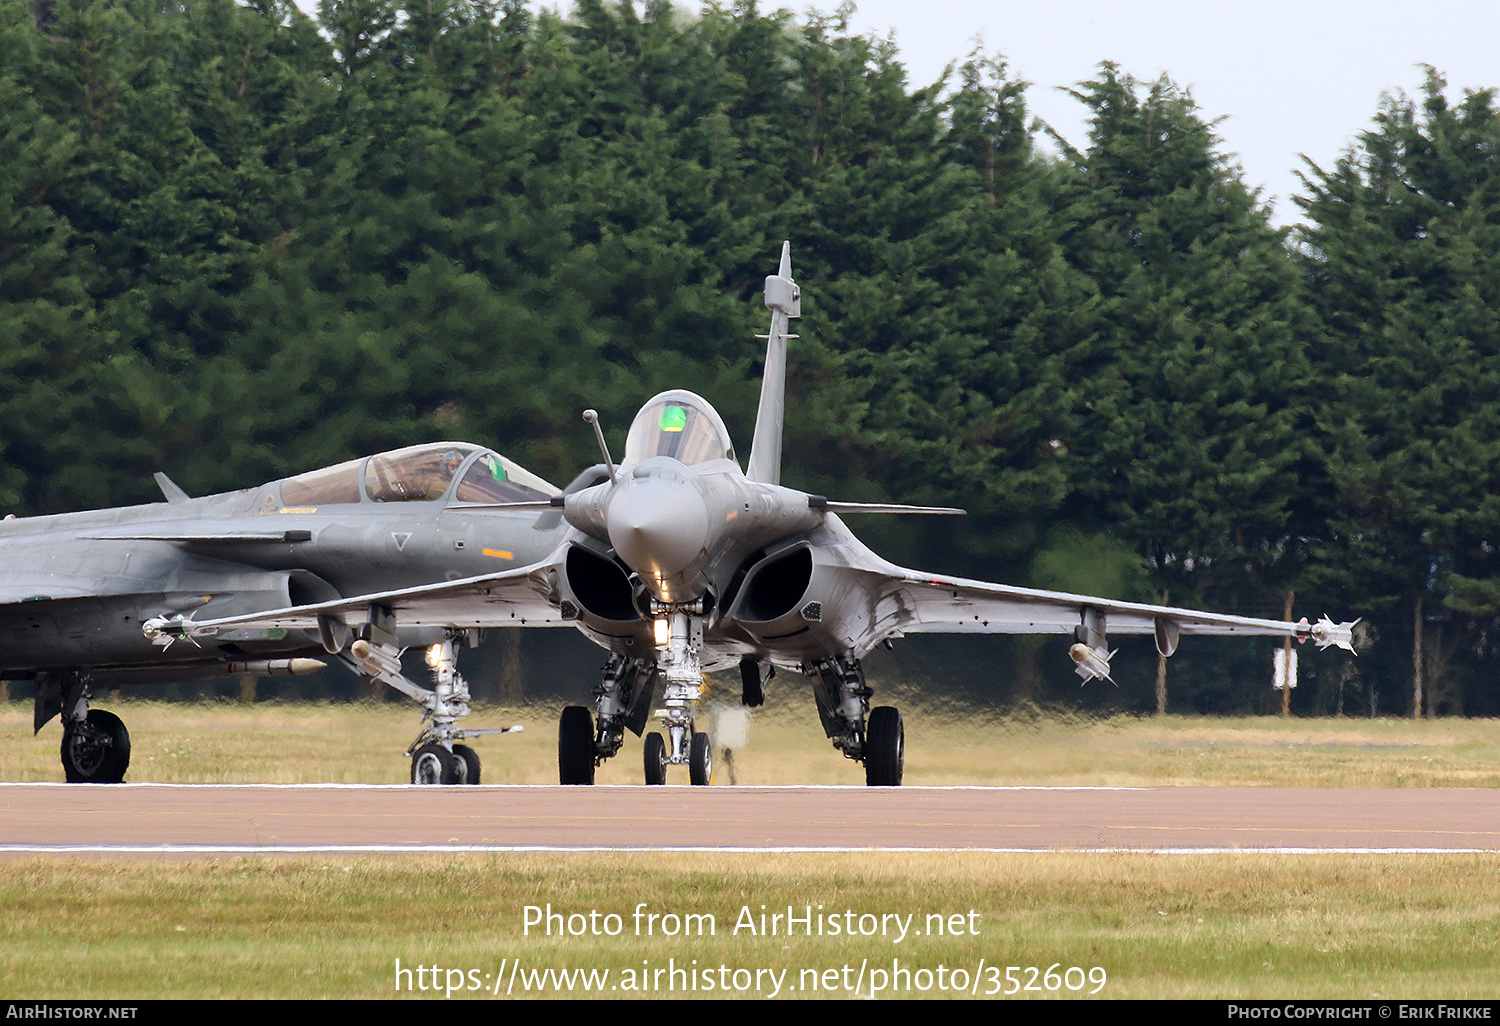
{"points": [[656, 759], [466, 762], [700, 761], [434, 764]]}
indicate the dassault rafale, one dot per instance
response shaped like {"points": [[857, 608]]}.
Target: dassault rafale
{"points": [[676, 561]]}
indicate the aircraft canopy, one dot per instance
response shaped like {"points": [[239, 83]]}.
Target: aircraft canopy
{"points": [[681, 425], [418, 473]]}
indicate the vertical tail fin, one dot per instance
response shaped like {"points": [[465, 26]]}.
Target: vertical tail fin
{"points": [[784, 299]]}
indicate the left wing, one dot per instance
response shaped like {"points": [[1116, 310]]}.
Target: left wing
{"points": [[517, 597], [913, 603]]}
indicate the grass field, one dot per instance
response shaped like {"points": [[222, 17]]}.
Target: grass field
{"points": [[1253, 926], [365, 742], [1154, 926]]}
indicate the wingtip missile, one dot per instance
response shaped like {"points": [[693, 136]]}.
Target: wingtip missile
{"points": [[1340, 635], [164, 631]]}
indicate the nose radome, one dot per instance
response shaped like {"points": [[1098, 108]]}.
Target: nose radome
{"points": [[657, 527]]}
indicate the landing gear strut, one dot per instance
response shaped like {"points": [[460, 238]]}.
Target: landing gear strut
{"points": [[623, 699], [436, 755], [682, 674]]}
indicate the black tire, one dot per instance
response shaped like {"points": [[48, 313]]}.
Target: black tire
{"points": [[466, 761], [700, 760], [885, 747], [575, 746], [656, 759], [96, 751], [433, 764]]}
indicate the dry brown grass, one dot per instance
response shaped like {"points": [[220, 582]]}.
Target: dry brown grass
{"points": [[1253, 926], [364, 742]]}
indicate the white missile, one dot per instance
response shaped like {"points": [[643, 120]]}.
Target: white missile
{"points": [[374, 659], [1091, 663]]}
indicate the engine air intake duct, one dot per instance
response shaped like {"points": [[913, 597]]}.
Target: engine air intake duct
{"points": [[776, 586], [600, 585]]}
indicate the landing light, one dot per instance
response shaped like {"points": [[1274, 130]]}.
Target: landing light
{"points": [[663, 631], [434, 655]]}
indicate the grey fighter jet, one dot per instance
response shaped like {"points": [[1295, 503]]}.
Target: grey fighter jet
{"points": [[679, 562], [83, 596]]}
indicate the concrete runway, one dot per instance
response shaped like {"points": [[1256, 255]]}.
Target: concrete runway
{"points": [[164, 819]]}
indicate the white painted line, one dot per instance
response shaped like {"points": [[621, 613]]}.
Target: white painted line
{"points": [[467, 789], [513, 849]]}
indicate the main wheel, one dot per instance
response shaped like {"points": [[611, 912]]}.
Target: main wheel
{"points": [[466, 761], [96, 751], [656, 759], [700, 760], [433, 764], [885, 747], [575, 746]]}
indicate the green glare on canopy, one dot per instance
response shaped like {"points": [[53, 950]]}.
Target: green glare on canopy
{"points": [[673, 418]]}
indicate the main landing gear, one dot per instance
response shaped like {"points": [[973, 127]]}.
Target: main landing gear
{"points": [[95, 743], [876, 737], [623, 698], [437, 755], [96, 749]]}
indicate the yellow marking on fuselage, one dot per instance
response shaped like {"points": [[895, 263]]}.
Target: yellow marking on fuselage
{"points": [[299, 509], [498, 553]]}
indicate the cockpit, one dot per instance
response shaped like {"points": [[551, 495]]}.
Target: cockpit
{"points": [[681, 425], [419, 473]]}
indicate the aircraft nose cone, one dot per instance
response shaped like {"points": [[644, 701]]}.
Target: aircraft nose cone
{"points": [[659, 528]]}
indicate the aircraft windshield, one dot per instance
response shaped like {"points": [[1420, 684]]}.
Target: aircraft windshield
{"points": [[420, 473], [681, 425], [493, 478]]}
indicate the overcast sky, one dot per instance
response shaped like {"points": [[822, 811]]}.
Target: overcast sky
{"points": [[1289, 77]]}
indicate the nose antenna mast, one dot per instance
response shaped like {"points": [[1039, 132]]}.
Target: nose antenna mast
{"points": [[592, 416]]}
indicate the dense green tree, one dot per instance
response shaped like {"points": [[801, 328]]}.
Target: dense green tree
{"points": [[50, 343], [1192, 434], [238, 244], [1403, 261]]}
